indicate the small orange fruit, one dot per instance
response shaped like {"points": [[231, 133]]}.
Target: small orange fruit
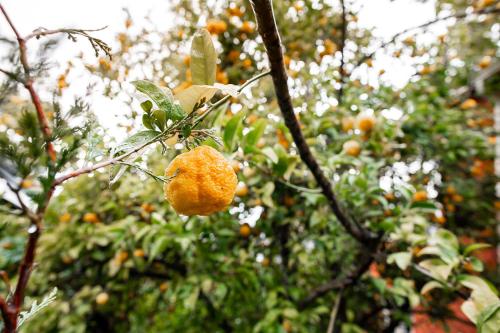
{"points": [[241, 189], [221, 77], [288, 201], [287, 326], [102, 298], [420, 196], [247, 63], [216, 27], [65, 218], [202, 182], [147, 207], [247, 27], [236, 166], [233, 55], [469, 103], [139, 253], [365, 122], [390, 196], [245, 230], [428, 69], [266, 262], [485, 62], [351, 148], [347, 124], [26, 183], [164, 287], [90, 218], [121, 256], [451, 190]]}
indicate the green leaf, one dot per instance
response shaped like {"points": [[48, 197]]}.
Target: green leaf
{"points": [[255, 133], [437, 268], [162, 98], [190, 301], [232, 128], [478, 284], [488, 320], [474, 247], [146, 121], [158, 247], [135, 141], [267, 192], [194, 95], [477, 264], [147, 106], [424, 206], [290, 313], [446, 237], [429, 286], [203, 58], [402, 259], [269, 152], [380, 284], [160, 119]]}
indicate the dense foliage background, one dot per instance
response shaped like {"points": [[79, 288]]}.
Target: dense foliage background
{"points": [[123, 261]]}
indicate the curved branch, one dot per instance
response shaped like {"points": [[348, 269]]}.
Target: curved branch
{"points": [[269, 32], [488, 10]]}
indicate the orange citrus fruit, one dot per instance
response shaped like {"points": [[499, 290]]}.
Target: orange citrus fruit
{"points": [[202, 182]]}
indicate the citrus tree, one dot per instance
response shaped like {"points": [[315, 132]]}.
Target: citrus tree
{"points": [[272, 178]]}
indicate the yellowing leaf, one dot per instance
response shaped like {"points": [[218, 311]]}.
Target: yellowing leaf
{"points": [[189, 97], [437, 268], [203, 58]]}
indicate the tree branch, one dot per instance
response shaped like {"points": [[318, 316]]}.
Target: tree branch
{"points": [[28, 84], [488, 10], [6, 315], [339, 282], [342, 51], [170, 130], [269, 32]]}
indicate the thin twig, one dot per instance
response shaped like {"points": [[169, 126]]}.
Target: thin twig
{"points": [[488, 10], [45, 32], [31, 215], [97, 44], [9, 74], [268, 30], [335, 310]]}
